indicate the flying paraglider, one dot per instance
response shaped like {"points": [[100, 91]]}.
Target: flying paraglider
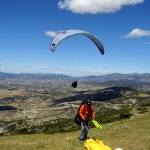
{"points": [[68, 33], [74, 84]]}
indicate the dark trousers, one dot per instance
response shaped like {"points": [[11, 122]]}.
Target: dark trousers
{"points": [[84, 129]]}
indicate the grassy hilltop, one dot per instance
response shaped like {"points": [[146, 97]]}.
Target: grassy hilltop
{"points": [[37, 111], [128, 134]]}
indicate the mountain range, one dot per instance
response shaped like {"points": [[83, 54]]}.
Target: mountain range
{"points": [[52, 76]]}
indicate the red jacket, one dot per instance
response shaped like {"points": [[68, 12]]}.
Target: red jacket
{"points": [[86, 112]]}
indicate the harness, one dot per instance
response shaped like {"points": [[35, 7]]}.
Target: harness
{"points": [[89, 113]]}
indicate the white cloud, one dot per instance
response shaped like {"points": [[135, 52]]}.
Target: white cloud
{"points": [[147, 43], [2, 64], [37, 67], [90, 72], [51, 33], [136, 33], [95, 6], [77, 72]]}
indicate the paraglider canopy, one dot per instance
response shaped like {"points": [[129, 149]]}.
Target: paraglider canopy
{"points": [[68, 33]]}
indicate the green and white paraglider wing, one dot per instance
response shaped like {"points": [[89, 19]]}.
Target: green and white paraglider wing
{"points": [[65, 34]]}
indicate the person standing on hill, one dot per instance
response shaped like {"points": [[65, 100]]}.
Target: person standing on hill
{"points": [[86, 111]]}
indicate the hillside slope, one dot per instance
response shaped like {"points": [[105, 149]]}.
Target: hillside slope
{"points": [[131, 134]]}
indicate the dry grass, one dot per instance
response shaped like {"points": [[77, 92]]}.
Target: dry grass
{"points": [[132, 134], [65, 141], [7, 93], [143, 95]]}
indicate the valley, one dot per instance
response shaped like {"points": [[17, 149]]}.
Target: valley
{"points": [[32, 105]]}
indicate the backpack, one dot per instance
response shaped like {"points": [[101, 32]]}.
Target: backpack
{"points": [[78, 117]]}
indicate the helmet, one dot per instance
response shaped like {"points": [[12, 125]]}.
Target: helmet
{"points": [[89, 102]]}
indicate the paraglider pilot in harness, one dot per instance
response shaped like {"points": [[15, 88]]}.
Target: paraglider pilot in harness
{"points": [[74, 84], [86, 111]]}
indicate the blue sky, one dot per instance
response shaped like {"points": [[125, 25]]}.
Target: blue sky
{"points": [[27, 28]]}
